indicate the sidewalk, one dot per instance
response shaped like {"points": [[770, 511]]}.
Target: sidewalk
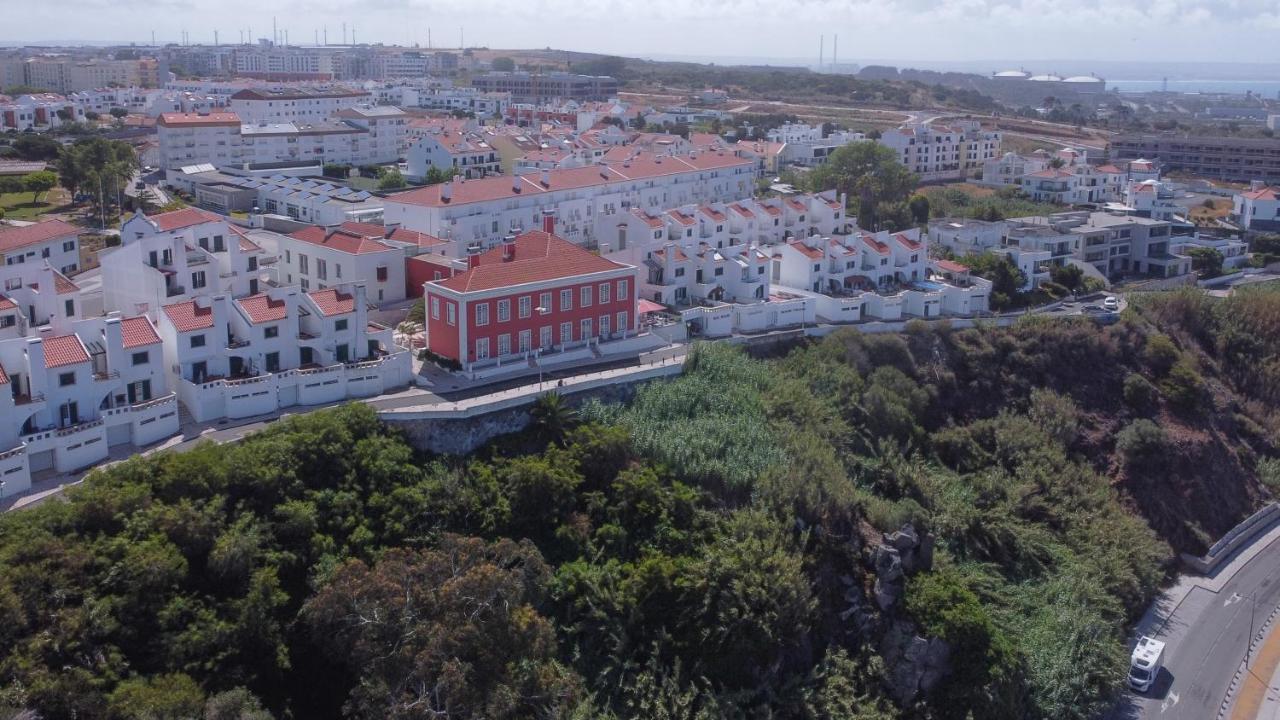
{"points": [[1259, 699]]}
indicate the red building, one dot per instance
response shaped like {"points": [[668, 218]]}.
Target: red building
{"points": [[533, 293]]}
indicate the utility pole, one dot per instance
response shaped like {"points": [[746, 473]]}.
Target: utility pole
{"points": [[344, 33], [428, 38], [353, 33], [326, 35], [835, 51], [822, 50], [153, 38]]}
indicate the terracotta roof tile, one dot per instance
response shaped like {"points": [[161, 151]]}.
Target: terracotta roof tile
{"points": [[62, 285], [331, 302], [64, 350], [907, 242], [14, 237], [4, 377], [341, 239], [539, 256], [187, 316], [263, 308], [183, 218], [813, 253], [138, 332]]}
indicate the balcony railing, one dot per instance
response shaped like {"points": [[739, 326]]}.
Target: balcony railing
{"points": [[28, 399], [104, 375], [174, 290]]}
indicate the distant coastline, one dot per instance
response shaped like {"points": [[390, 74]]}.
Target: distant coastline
{"points": [[1265, 88]]}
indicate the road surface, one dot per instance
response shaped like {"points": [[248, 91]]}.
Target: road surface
{"points": [[1207, 634]]}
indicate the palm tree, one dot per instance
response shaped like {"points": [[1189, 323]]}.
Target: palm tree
{"points": [[552, 416]]}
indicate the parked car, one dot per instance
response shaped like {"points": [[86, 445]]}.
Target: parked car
{"points": [[1111, 303]]}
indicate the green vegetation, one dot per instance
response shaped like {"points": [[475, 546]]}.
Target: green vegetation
{"points": [[503, 64], [711, 548], [391, 180], [873, 178], [971, 201]]}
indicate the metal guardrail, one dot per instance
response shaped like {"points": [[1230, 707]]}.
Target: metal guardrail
{"points": [[1230, 542]]}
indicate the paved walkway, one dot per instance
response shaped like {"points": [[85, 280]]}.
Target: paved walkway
{"points": [[1259, 696]]}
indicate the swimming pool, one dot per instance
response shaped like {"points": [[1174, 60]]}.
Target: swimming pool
{"points": [[929, 285]]}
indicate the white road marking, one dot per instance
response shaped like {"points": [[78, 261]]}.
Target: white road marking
{"points": [[1235, 598], [1170, 701]]}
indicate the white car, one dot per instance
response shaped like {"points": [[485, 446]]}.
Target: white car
{"points": [[1111, 303]]}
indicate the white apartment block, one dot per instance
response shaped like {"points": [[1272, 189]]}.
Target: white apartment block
{"points": [[1009, 169], [965, 236], [240, 357], [1154, 199], [72, 387], [174, 256], [288, 104], [316, 258], [221, 140], [36, 112], [445, 149], [387, 128], [1257, 209], [806, 145], [48, 241], [484, 211], [943, 152]]}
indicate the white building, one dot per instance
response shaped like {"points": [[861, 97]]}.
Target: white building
{"points": [[222, 140], [288, 104], [484, 211], [70, 388], [37, 112], [1257, 209], [51, 241], [387, 128], [317, 258], [447, 149], [806, 145], [174, 256], [241, 357], [942, 152], [1009, 169]]}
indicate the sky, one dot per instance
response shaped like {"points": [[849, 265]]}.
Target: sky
{"points": [[925, 30]]}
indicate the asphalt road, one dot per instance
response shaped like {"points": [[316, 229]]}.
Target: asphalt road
{"points": [[1207, 636]]}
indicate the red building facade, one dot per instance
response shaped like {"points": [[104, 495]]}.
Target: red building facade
{"points": [[534, 294]]}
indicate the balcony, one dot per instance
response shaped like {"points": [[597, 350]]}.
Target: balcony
{"points": [[28, 399], [105, 375], [174, 291]]}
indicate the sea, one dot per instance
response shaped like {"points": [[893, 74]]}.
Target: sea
{"points": [[1265, 88]]}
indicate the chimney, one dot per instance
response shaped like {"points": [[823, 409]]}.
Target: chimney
{"points": [[446, 191], [549, 222], [508, 248], [515, 183], [546, 178], [473, 255]]}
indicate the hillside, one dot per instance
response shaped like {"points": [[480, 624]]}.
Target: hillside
{"points": [[939, 524]]}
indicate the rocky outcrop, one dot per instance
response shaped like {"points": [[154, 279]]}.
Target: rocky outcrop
{"points": [[902, 553], [915, 665]]}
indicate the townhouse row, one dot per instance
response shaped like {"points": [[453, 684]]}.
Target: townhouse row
{"points": [[189, 322]]}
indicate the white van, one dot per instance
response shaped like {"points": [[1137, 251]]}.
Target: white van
{"points": [[1145, 664]]}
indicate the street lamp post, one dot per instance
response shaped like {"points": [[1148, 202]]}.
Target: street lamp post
{"points": [[538, 353]]}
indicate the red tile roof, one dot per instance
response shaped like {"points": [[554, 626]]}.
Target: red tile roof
{"points": [[813, 253], [1051, 173], [263, 308], [907, 242], [680, 217], [1110, 170], [951, 266], [64, 350], [742, 210], [399, 234], [4, 378], [14, 237], [679, 254], [186, 316], [712, 213], [1266, 193], [796, 204], [186, 217], [6, 303], [875, 245], [62, 285], [539, 256], [137, 332], [177, 119], [246, 245], [331, 302], [645, 165], [648, 219], [341, 239]]}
